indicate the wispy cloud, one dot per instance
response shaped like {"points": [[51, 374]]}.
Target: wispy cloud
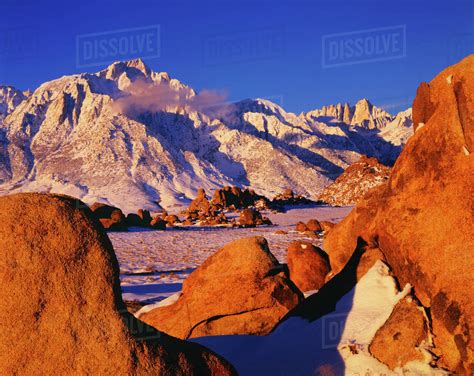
{"points": [[146, 96]]}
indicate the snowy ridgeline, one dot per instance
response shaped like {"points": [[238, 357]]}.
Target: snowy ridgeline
{"points": [[112, 137]]}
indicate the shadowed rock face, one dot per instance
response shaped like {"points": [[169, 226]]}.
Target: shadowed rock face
{"points": [[241, 289], [423, 218], [61, 310]]}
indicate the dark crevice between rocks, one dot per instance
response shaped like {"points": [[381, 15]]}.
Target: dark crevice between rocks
{"points": [[217, 317], [324, 301], [465, 115]]}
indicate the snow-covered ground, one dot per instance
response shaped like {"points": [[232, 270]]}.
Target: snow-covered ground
{"points": [[154, 264]]}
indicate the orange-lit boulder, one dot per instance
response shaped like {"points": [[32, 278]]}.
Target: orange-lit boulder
{"points": [[241, 289], [401, 338], [422, 219], [308, 265], [61, 310]]}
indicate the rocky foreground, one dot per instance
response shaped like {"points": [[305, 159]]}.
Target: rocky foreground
{"points": [[61, 309], [396, 275], [421, 222]]}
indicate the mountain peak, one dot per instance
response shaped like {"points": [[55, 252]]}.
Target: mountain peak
{"points": [[133, 68], [10, 97], [138, 64], [363, 113], [364, 102]]}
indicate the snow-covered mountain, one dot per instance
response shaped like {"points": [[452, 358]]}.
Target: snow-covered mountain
{"points": [[132, 137], [363, 114], [9, 99]]}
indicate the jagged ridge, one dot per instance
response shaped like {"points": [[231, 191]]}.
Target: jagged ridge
{"points": [[74, 135]]}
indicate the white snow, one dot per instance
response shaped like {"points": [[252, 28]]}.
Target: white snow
{"points": [[79, 140], [165, 302]]}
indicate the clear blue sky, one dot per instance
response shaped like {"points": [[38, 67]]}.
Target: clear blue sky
{"points": [[38, 42]]}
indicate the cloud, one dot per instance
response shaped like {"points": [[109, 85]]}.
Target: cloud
{"points": [[157, 97], [405, 102]]}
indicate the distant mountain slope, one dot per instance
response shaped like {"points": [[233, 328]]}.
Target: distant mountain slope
{"points": [[132, 137], [355, 182]]}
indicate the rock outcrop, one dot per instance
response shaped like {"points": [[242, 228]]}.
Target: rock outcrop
{"points": [[355, 182], [158, 224], [233, 198], [402, 338], [141, 219], [308, 265], [200, 203], [362, 114], [10, 98], [301, 227], [110, 217], [61, 310], [241, 289], [312, 227], [288, 197], [113, 219], [422, 219], [251, 217], [201, 211], [101, 210], [171, 219]]}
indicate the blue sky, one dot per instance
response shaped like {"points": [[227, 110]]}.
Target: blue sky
{"points": [[270, 49]]}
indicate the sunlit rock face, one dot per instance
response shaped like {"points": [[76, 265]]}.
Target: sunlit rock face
{"points": [[9, 99], [423, 218], [363, 114], [241, 289], [356, 180], [61, 309]]}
